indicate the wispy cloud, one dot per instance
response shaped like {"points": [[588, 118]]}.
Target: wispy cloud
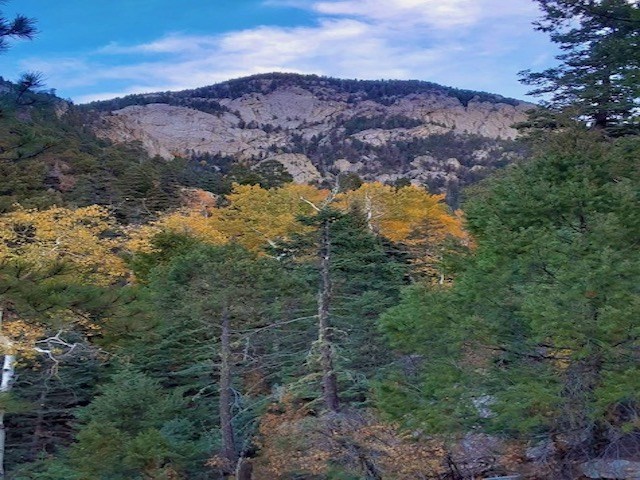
{"points": [[468, 43]]}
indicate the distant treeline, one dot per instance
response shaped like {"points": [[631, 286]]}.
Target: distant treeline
{"points": [[326, 88]]}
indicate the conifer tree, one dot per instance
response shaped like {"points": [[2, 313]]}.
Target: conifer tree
{"points": [[537, 336], [135, 429], [221, 292], [599, 74], [20, 27]]}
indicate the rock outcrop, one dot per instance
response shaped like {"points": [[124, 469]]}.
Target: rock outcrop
{"points": [[315, 126], [299, 167]]}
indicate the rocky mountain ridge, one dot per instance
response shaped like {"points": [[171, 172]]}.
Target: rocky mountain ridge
{"points": [[318, 127]]}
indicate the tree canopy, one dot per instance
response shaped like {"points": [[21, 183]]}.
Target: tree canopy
{"points": [[599, 74]]}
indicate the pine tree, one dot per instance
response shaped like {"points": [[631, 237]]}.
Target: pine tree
{"points": [[135, 429], [212, 298], [20, 27], [599, 74], [361, 277], [537, 337]]}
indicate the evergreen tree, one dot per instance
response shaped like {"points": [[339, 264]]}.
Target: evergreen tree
{"points": [[599, 76], [134, 429], [365, 279], [273, 174], [49, 393], [20, 27], [210, 300], [537, 337]]}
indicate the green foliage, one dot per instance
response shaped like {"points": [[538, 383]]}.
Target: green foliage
{"points": [[20, 27], [366, 282], [273, 174], [133, 429], [43, 425], [599, 74], [359, 124], [48, 157], [349, 181], [46, 469], [367, 274], [189, 288], [536, 335]]}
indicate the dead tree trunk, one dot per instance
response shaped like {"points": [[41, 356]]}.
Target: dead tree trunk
{"points": [[225, 401], [39, 430], [8, 376], [329, 380]]}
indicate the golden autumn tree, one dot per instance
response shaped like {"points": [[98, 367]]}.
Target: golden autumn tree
{"points": [[84, 238], [191, 222], [256, 217], [253, 217], [410, 216], [46, 260]]}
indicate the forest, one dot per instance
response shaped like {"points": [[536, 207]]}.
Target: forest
{"points": [[197, 319]]}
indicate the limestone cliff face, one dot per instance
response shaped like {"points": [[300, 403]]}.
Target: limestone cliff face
{"points": [[382, 130], [170, 131]]}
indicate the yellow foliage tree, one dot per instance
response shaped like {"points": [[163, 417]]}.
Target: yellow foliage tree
{"points": [[252, 217], [84, 238], [256, 217], [410, 216], [41, 254], [405, 215], [33, 247], [193, 222]]}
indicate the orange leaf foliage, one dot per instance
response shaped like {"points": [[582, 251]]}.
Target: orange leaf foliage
{"points": [[292, 441], [256, 216]]}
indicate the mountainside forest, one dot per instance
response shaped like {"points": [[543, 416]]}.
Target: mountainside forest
{"points": [[377, 294], [316, 127]]}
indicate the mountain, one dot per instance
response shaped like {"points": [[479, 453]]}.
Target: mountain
{"points": [[317, 127]]}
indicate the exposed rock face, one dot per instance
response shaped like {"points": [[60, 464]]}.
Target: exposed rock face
{"points": [[299, 167], [615, 469], [374, 129], [170, 131]]}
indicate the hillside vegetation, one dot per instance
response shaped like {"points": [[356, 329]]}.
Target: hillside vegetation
{"points": [[389, 131], [204, 316]]}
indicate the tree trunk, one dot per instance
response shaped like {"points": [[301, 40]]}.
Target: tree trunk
{"points": [[244, 470], [578, 438], [602, 115], [8, 374], [601, 120], [39, 430], [329, 380], [226, 426]]}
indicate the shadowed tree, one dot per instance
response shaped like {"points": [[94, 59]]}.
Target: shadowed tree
{"points": [[20, 27]]}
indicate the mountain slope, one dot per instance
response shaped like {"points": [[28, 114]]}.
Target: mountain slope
{"points": [[315, 127]]}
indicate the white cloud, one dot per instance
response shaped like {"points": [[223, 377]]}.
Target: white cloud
{"points": [[458, 42], [435, 13], [439, 14]]}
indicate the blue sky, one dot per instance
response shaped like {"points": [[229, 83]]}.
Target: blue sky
{"points": [[95, 49]]}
